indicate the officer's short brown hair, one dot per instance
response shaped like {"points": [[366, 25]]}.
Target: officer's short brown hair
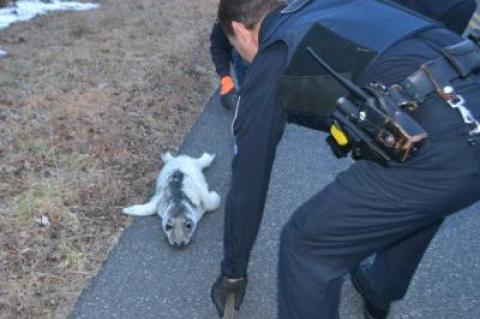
{"points": [[248, 12]]}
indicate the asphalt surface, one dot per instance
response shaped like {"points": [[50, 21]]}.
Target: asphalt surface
{"points": [[145, 278]]}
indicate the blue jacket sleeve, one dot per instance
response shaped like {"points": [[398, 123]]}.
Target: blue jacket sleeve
{"points": [[220, 50], [258, 127], [454, 14]]}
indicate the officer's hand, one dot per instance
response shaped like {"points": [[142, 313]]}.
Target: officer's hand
{"points": [[229, 101], [228, 96], [223, 287]]}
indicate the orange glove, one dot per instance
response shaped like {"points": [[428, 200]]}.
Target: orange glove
{"points": [[226, 85], [228, 96]]}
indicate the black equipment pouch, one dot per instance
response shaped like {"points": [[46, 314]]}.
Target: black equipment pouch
{"points": [[396, 131], [378, 127], [464, 56]]}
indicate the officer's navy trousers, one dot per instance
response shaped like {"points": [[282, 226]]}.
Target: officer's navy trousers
{"points": [[391, 212]]}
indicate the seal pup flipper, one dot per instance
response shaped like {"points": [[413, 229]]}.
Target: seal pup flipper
{"points": [[205, 160], [143, 210], [211, 201], [167, 157]]}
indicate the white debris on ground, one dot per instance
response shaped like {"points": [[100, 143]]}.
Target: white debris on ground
{"points": [[25, 10], [43, 220]]}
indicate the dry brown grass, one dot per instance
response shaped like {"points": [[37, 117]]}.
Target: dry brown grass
{"points": [[88, 100]]}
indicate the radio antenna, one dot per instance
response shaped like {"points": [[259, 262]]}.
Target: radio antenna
{"points": [[347, 84]]}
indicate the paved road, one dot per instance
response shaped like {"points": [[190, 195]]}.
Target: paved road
{"points": [[145, 278]]}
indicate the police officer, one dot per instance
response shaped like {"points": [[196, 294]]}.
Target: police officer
{"points": [[224, 57], [390, 209]]}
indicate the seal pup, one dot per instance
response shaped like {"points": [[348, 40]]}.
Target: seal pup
{"points": [[181, 197]]}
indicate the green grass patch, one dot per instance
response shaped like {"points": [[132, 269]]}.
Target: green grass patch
{"points": [[76, 161], [39, 150], [40, 198], [72, 256], [10, 75]]}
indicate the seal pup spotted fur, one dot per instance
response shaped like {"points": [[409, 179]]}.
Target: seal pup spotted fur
{"points": [[181, 197]]}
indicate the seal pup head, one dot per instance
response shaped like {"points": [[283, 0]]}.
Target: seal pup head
{"points": [[178, 220], [179, 225]]}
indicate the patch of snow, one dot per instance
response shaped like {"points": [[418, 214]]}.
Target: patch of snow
{"points": [[25, 10]]}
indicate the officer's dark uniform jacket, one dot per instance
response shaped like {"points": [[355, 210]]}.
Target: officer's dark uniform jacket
{"points": [[449, 12], [387, 47]]}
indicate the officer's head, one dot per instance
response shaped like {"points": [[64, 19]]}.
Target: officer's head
{"points": [[241, 20]]}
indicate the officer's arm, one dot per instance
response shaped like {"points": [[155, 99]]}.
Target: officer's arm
{"points": [[220, 50], [454, 14], [258, 127]]}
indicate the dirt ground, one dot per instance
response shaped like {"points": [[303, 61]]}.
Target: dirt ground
{"points": [[88, 101]]}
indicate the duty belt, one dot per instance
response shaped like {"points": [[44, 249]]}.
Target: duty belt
{"points": [[458, 61]]}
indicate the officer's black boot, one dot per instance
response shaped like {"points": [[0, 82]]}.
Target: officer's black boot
{"points": [[372, 309]]}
